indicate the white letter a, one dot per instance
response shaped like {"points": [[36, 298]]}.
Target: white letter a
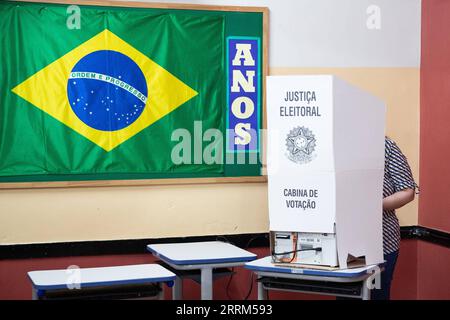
{"points": [[243, 52]]}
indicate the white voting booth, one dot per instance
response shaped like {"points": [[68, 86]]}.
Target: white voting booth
{"points": [[325, 169]]}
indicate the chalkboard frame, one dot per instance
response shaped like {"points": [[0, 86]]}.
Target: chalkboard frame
{"points": [[262, 178]]}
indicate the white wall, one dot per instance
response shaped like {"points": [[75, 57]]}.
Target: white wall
{"points": [[334, 33], [306, 36]]}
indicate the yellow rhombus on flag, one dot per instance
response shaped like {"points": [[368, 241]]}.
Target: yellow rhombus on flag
{"points": [[47, 90]]}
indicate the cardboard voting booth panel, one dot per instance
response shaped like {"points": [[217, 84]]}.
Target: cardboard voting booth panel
{"points": [[325, 168]]}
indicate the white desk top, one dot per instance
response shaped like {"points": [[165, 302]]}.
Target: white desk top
{"points": [[90, 277], [208, 252], [265, 265]]}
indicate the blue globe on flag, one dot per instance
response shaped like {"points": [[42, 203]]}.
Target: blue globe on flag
{"points": [[107, 90]]}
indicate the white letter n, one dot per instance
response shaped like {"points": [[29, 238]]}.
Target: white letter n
{"points": [[239, 79]]}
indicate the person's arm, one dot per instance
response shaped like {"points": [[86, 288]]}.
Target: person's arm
{"points": [[398, 169], [398, 199]]}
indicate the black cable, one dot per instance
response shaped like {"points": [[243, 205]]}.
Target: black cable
{"points": [[227, 290], [223, 239], [251, 287], [253, 239], [299, 250], [251, 274]]}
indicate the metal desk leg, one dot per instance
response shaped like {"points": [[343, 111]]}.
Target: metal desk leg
{"points": [[34, 295], [161, 291], [366, 288], [177, 291], [206, 283], [262, 293]]}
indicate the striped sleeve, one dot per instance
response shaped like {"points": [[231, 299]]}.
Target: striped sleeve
{"points": [[398, 169]]}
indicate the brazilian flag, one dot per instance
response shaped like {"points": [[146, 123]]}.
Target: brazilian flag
{"points": [[100, 97]]}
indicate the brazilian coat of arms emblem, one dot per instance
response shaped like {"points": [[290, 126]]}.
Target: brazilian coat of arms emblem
{"points": [[300, 143]]}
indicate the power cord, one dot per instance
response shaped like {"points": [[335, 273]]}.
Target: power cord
{"points": [[225, 239], [295, 251], [251, 287], [227, 290], [274, 254]]}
